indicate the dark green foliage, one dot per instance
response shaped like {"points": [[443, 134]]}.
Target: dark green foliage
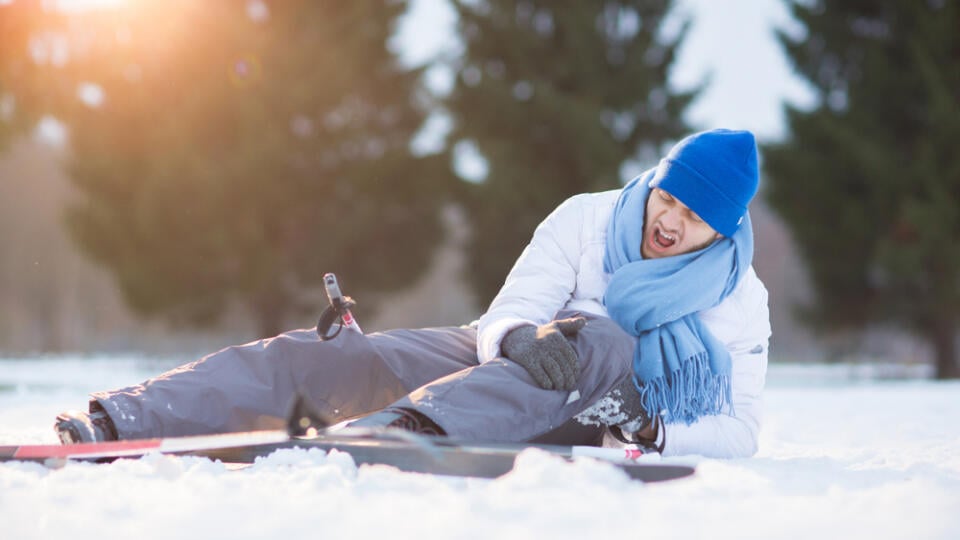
{"points": [[556, 96], [235, 158], [869, 182]]}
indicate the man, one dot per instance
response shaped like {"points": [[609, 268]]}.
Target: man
{"points": [[633, 316]]}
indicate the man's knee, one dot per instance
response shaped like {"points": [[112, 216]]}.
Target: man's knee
{"points": [[602, 343], [605, 352]]}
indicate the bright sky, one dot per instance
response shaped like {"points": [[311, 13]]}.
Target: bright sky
{"points": [[732, 42], [731, 45]]}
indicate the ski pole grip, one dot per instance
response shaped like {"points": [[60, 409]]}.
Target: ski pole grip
{"points": [[334, 296], [339, 308]]}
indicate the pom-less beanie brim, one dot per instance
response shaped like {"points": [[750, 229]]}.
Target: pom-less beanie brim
{"points": [[714, 173], [700, 195]]}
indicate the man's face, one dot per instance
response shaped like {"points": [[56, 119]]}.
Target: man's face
{"points": [[670, 228]]}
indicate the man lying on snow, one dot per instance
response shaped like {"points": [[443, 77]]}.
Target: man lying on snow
{"points": [[633, 316]]}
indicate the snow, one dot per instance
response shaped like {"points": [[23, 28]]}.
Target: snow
{"points": [[845, 451]]}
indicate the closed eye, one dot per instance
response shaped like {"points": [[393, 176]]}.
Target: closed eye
{"points": [[669, 198]]}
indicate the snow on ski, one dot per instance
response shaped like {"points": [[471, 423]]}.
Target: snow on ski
{"points": [[173, 445], [405, 451]]}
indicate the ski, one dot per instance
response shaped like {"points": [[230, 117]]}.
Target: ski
{"points": [[444, 456], [405, 451], [107, 451]]}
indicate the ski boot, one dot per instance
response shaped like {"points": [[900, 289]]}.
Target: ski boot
{"points": [[79, 427], [399, 418]]}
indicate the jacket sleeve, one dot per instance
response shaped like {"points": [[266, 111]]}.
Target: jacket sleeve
{"points": [[735, 435], [541, 281]]}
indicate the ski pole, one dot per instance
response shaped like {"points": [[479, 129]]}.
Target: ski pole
{"points": [[340, 303], [339, 307]]}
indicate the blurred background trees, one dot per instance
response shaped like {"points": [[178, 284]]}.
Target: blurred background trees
{"points": [[869, 181], [228, 153], [557, 97], [225, 153]]}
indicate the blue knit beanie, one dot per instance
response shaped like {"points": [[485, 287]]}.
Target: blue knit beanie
{"points": [[714, 173]]}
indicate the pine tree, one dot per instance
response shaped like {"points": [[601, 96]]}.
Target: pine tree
{"points": [[556, 96], [237, 151], [869, 181]]}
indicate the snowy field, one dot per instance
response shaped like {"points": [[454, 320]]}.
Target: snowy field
{"points": [[846, 451]]}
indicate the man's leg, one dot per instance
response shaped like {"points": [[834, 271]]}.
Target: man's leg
{"points": [[253, 386], [499, 401]]}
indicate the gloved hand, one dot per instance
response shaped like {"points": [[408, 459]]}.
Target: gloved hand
{"points": [[545, 352]]}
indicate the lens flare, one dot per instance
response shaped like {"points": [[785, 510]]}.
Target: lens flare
{"points": [[245, 70]]}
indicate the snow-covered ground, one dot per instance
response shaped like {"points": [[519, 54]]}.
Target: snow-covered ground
{"points": [[846, 451]]}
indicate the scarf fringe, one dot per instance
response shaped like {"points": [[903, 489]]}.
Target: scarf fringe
{"points": [[686, 394]]}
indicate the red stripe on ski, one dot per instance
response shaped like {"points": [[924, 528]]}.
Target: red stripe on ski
{"points": [[112, 448], [139, 447]]}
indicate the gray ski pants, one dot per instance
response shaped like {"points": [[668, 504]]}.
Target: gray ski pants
{"points": [[433, 370]]}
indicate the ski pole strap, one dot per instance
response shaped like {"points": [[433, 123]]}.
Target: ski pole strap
{"points": [[337, 312], [334, 314]]}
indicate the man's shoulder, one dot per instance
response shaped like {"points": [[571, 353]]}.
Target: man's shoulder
{"points": [[596, 197], [596, 204], [745, 307], [750, 293], [750, 283]]}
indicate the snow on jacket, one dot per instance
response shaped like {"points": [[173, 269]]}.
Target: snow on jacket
{"points": [[562, 268]]}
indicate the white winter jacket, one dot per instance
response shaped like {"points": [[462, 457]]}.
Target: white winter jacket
{"points": [[562, 268]]}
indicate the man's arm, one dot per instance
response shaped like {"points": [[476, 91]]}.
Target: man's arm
{"points": [[541, 281], [736, 436]]}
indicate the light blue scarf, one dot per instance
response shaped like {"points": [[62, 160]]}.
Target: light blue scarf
{"points": [[681, 370]]}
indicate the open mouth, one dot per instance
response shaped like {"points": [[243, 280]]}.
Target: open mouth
{"points": [[662, 239]]}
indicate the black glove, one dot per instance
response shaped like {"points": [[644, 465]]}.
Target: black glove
{"points": [[545, 352]]}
